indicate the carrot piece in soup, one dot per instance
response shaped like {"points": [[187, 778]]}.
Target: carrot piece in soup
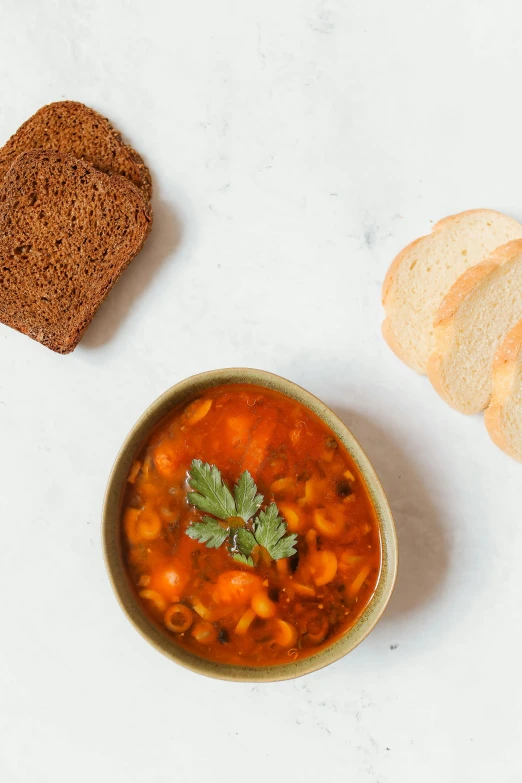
{"points": [[236, 587], [167, 459], [197, 411], [239, 428], [169, 580], [147, 490], [257, 448], [296, 433]]}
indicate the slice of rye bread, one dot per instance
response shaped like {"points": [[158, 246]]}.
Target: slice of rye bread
{"points": [[424, 271], [71, 127], [67, 232], [472, 321], [503, 416]]}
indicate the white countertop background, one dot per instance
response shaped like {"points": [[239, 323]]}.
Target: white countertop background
{"points": [[296, 146]]}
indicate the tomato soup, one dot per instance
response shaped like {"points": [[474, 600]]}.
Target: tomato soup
{"points": [[248, 532]]}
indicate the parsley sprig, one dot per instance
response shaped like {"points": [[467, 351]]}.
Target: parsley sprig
{"points": [[232, 512]]}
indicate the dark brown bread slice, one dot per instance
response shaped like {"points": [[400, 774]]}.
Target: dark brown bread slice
{"points": [[71, 127], [67, 232]]}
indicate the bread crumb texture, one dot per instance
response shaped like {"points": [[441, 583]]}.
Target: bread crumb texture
{"points": [[67, 231], [425, 270], [480, 317]]}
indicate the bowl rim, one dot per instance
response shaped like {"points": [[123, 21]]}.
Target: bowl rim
{"points": [[111, 540]]}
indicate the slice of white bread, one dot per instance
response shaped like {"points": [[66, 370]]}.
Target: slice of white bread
{"points": [[424, 271], [503, 417], [470, 325]]}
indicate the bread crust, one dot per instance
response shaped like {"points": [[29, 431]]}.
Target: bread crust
{"points": [[55, 127], [510, 348], [394, 266], [386, 328], [504, 369], [445, 222], [389, 336], [460, 290], [447, 313]]}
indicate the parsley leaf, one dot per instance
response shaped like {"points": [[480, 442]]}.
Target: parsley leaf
{"points": [[208, 532], [247, 502], [270, 532], [242, 559], [211, 495], [244, 541]]}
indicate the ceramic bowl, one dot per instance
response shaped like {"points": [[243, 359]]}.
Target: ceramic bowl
{"points": [[113, 548]]}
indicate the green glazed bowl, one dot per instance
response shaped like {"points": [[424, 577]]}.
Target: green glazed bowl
{"points": [[113, 548]]}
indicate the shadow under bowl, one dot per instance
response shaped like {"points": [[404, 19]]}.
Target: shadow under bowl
{"points": [[112, 543]]}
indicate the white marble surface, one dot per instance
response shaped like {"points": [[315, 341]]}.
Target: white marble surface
{"points": [[296, 145]]}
